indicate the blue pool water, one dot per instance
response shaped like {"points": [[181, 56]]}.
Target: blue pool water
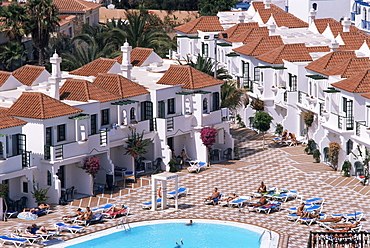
{"points": [[200, 235]]}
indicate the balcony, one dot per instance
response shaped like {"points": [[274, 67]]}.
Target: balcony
{"points": [[11, 164], [339, 124], [212, 118]]}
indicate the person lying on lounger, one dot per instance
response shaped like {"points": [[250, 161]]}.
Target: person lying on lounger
{"points": [[333, 219], [262, 188], [25, 233], [38, 208], [215, 195], [87, 215], [114, 209], [284, 135], [262, 201], [310, 215], [34, 229], [345, 226], [232, 197], [300, 209], [76, 214]]}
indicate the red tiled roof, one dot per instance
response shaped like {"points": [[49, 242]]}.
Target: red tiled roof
{"points": [[265, 14], [75, 6], [203, 23], [352, 40], [100, 65], [349, 68], [40, 106], [288, 20], [359, 83], [316, 49], [28, 74], [4, 75], [260, 46], [119, 85], [65, 19], [188, 77], [137, 56], [322, 24], [290, 52], [250, 35], [337, 28], [83, 90], [237, 29], [9, 121], [330, 60]]}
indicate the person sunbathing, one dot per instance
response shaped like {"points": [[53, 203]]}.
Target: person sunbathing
{"points": [[300, 209], [76, 214], [114, 209], [25, 233], [87, 215], [345, 226], [38, 208], [262, 201], [310, 215], [232, 197], [333, 219], [215, 195], [293, 138], [34, 229], [284, 135], [262, 188]]}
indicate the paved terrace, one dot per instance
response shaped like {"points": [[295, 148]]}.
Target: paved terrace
{"points": [[282, 167]]}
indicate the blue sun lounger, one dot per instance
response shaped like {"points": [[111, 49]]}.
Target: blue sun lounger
{"points": [[103, 208], [269, 208], [353, 216], [239, 202], [315, 201], [180, 191], [73, 229], [148, 205], [16, 242]]}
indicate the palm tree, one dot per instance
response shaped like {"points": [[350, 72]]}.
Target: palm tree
{"points": [[13, 17], [206, 65], [233, 97], [43, 20], [12, 55]]}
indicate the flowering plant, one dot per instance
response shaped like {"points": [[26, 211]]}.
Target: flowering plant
{"points": [[136, 144], [91, 165], [208, 136]]}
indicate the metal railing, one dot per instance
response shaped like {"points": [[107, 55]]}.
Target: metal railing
{"points": [[26, 159], [103, 136], [170, 124], [338, 239], [358, 124]]}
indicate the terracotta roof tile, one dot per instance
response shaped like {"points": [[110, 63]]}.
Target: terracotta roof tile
{"points": [[40, 106], [203, 23], [237, 29], [138, 55], [65, 19], [65, 6], [4, 75], [290, 52], [352, 40], [317, 49], [250, 35], [7, 121], [100, 65], [322, 24], [330, 60], [349, 68], [119, 85], [265, 14], [188, 77], [359, 83], [28, 74], [83, 90], [260, 46], [337, 28], [366, 95], [4, 110], [288, 20]]}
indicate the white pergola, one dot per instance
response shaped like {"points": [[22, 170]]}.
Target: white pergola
{"points": [[164, 177]]}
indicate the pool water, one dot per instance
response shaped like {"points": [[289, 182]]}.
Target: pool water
{"points": [[200, 235]]}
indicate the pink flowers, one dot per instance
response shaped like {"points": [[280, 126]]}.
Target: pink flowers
{"points": [[208, 136], [91, 165]]}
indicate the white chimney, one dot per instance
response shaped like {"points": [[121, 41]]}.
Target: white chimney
{"points": [[56, 77], [267, 3], [312, 15], [126, 60], [249, 19], [334, 45], [241, 18], [346, 24], [271, 27]]}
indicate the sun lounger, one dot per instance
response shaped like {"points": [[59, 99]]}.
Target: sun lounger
{"points": [[197, 166], [269, 208], [315, 201], [307, 221], [113, 215], [42, 211], [148, 205], [239, 202], [213, 201], [353, 216], [30, 240], [97, 218], [285, 196], [16, 242], [294, 210], [103, 208], [73, 229], [180, 191]]}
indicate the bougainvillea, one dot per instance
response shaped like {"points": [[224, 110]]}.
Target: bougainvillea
{"points": [[208, 136], [91, 165]]}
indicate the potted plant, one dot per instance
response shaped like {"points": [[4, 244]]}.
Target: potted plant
{"points": [[346, 168], [4, 190], [334, 148], [279, 129], [39, 194], [308, 118], [173, 165], [310, 147], [316, 155], [273, 88]]}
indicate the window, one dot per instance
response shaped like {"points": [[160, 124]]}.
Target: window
{"points": [[257, 72], [132, 114], [1, 150], [70, 31], [161, 109], [215, 101], [245, 70], [48, 178], [292, 82], [171, 106], [18, 144], [349, 147], [146, 110], [88, 20], [344, 104], [93, 124], [25, 187], [61, 132], [105, 117], [314, 6], [205, 49], [205, 105]]}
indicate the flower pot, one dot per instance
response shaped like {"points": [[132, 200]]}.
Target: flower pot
{"points": [[260, 88], [274, 89]]}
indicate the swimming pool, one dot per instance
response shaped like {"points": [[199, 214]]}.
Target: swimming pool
{"points": [[174, 233]]}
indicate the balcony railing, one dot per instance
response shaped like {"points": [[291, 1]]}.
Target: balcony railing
{"points": [[103, 136], [345, 123], [26, 159], [338, 239], [170, 124], [358, 127]]}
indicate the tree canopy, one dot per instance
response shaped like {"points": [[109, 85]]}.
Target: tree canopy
{"points": [[212, 7]]}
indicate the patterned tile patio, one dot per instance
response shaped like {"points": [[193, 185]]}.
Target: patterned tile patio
{"points": [[282, 167]]}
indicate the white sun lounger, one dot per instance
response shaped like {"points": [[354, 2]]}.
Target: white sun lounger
{"points": [[353, 216], [239, 202], [16, 242], [73, 229], [30, 240], [148, 205], [180, 191]]}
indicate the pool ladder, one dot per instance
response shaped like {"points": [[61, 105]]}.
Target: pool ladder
{"points": [[123, 223], [265, 231]]}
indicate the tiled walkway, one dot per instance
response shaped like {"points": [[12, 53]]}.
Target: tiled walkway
{"points": [[287, 168]]}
